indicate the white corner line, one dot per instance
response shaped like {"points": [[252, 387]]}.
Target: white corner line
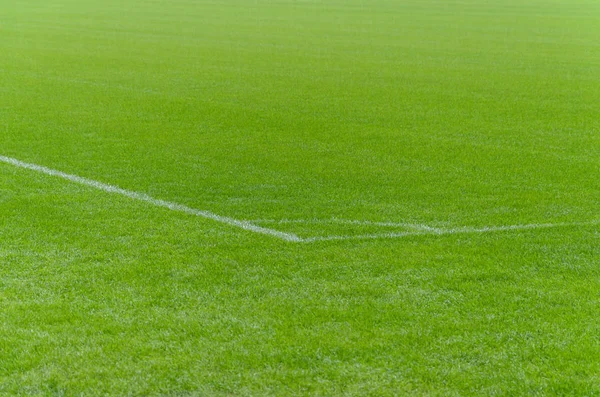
{"points": [[441, 232], [330, 221], [151, 200], [421, 230]]}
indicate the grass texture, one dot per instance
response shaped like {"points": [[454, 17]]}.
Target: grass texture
{"points": [[318, 118]]}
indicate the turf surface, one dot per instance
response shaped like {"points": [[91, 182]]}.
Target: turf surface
{"points": [[319, 118]]}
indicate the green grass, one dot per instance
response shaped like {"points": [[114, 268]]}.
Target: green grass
{"points": [[299, 114]]}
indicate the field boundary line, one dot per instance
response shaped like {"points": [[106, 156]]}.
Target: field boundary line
{"points": [[251, 226], [329, 221], [452, 231], [151, 200]]}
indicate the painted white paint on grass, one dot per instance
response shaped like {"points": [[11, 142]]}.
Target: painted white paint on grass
{"points": [[151, 200], [441, 232], [338, 221], [417, 230]]}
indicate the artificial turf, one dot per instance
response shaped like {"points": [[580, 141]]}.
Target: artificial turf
{"points": [[319, 118]]}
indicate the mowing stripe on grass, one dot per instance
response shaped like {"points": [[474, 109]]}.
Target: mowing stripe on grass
{"points": [[151, 200]]}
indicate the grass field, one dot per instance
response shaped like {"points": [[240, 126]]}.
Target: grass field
{"points": [[337, 197]]}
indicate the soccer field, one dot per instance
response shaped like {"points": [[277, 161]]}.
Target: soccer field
{"points": [[299, 197]]}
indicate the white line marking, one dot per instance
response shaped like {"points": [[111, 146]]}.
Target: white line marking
{"points": [[151, 200], [422, 230], [461, 230], [347, 222]]}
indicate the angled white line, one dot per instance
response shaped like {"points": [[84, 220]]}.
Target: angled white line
{"points": [[339, 221], [440, 232], [421, 230], [151, 200]]}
